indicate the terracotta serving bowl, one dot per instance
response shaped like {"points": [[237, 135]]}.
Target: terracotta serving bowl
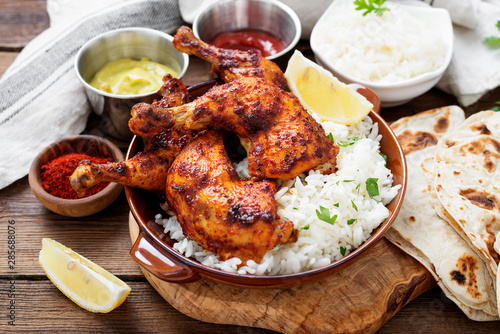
{"points": [[86, 144], [156, 254]]}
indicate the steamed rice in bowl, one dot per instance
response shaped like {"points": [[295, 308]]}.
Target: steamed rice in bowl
{"points": [[352, 209], [394, 47], [399, 55]]}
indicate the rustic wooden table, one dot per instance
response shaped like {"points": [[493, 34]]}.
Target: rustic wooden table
{"points": [[32, 303]]}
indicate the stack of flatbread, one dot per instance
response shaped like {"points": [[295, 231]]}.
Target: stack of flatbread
{"points": [[450, 217]]}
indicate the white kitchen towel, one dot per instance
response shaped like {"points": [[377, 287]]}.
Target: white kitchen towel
{"points": [[475, 67], [41, 99]]}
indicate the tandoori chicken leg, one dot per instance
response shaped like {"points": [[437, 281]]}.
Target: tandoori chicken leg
{"points": [[227, 63], [226, 215], [281, 138], [147, 169]]}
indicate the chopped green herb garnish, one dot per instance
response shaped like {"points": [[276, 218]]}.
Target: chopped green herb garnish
{"points": [[343, 250], [383, 156], [348, 180], [305, 227], [497, 107], [371, 6], [349, 142], [336, 205], [372, 186], [493, 41], [295, 208], [351, 221], [330, 136], [354, 205], [357, 187], [324, 215]]}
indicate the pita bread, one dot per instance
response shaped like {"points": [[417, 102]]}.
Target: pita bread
{"points": [[418, 230]]}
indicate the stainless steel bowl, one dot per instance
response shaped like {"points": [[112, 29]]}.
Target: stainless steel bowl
{"points": [[134, 43], [233, 15]]}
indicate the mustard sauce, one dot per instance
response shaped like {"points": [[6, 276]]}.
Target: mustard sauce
{"points": [[131, 77]]}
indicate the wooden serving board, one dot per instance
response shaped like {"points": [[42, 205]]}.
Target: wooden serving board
{"points": [[359, 299]]}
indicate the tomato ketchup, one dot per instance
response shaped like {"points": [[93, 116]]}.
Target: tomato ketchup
{"points": [[260, 41]]}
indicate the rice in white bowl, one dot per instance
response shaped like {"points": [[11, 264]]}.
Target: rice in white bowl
{"points": [[344, 194], [393, 47]]}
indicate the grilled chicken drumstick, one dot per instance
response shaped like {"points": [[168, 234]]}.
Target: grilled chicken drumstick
{"points": [[227, 63], [148, 169], [281, 138], [226, 215]]}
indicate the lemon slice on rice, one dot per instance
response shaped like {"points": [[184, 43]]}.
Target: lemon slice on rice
{"points": [[81, 280], [322, 93]]}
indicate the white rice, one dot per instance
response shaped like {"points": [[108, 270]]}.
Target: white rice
{"points": [[383, 49], [343, 193]]}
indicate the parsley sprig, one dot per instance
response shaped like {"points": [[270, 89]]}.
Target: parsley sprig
{"points": [[493, 41], [497, 107], [383, 156], [343, 250], [324, 215], [374, 6], [348, 142], [372, 186]]}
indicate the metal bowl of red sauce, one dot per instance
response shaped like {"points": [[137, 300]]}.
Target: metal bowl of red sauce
{"points": [[269, 28]]}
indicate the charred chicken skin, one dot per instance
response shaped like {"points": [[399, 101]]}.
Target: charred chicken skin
{"points": [[147, 169], [281, 138], [227, 63], [226, 215], [185, 158]]}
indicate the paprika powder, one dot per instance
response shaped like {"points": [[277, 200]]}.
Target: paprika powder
{"points": [[55, 175]]}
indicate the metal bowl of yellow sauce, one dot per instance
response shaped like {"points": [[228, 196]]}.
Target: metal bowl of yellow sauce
{"points": [[123, 67], [127, 76]]}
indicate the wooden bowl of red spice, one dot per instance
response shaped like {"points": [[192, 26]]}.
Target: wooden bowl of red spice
{"points": [[50, 171]]}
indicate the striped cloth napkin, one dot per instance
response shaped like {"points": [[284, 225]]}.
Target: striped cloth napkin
{"points": [[41, 99]]}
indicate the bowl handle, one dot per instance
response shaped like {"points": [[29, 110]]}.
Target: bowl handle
{"points": [[369, 94], [157, 263]]}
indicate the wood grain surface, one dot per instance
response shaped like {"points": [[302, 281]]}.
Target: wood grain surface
{"points": [[389, 277], [105, 239], [21, 21]]}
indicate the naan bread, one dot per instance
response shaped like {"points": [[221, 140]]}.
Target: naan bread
{"points": [[418, 229], [467, 180], [424, 129], [475, 277]]}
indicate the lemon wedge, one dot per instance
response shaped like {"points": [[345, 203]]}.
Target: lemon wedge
{"points": [[322, 93], [81, 280]]}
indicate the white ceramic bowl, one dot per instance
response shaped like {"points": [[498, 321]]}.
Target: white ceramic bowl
{"points": [[397, 93]]}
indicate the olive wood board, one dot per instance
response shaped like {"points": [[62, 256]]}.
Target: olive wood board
{"points": [[359, 299]]}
